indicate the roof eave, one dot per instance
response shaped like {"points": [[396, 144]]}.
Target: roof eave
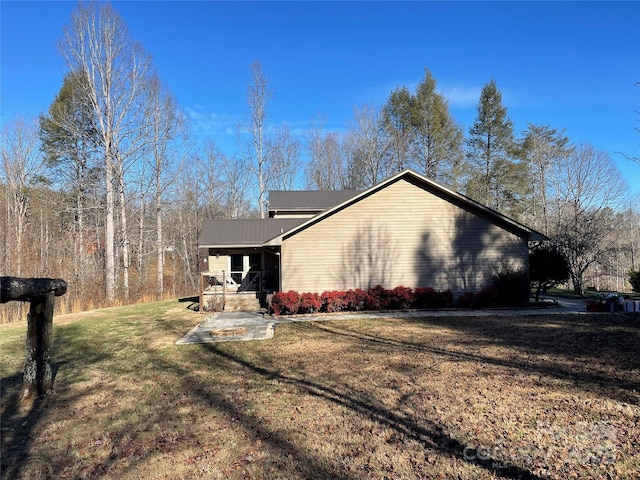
{"points": [[234, 245], [537, 237]]}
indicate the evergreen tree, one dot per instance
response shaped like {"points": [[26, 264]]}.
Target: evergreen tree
{"points": [[437, 144], [70, 143], [496, 178], [397, 121]]}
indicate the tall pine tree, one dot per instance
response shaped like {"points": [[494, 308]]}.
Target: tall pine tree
{"points": [[496, 178], [397, 121], [438, 140]]}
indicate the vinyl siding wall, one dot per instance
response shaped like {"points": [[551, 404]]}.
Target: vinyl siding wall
{"points": [[218, 264], [400, 235]]}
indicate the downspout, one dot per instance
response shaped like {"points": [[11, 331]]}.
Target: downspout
{"points": [[279, 271]]}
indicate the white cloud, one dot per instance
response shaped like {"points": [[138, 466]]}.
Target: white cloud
{"points": [[212, 123], [461, 97]]}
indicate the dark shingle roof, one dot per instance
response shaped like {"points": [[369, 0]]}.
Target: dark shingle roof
{"points": [[244, 232], [314, 200]]}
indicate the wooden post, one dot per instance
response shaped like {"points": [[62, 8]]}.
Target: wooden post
{"points": [[224, 290], [38, 375], [40, 293], [201, 292]]}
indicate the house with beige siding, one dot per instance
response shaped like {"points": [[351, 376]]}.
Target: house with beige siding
{"points": [[407, 230]]}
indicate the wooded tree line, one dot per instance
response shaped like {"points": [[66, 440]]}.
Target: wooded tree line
{"points": [[108, 190]]}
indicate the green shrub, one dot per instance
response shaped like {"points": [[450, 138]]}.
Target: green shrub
{"points": [[511, 287], [547, 268], [634, 280]]}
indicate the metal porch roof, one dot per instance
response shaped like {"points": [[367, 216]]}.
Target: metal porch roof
{"points": [[244, 232]]}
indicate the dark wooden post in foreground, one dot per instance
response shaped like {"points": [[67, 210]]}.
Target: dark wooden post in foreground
{"points": [[40, 293]]}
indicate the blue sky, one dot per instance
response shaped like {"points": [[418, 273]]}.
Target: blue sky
{"points": [[571, 65]]}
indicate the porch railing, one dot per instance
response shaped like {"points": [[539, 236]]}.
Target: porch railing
{"points": [[216, 285], [250, 281]]}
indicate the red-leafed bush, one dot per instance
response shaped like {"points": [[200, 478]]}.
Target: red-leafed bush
{"points": [[377, 298], [487, 297], [466, 300], [425, 297], [310, 303], [445, 299], [332, 301], [355, 300], [401, 298], [285, 303]]}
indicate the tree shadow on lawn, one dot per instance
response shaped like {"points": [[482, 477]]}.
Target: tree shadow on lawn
{"points": [[127, 433], [128, 441], [431, 436], [603, 350], [20, 418]]}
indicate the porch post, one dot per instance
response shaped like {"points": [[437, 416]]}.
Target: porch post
{"points": [[201, 292], [278, 254], [224, 289]]}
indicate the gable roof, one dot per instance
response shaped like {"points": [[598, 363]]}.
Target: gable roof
{"points": [[316, 200], [431, 186], [272, 231]]}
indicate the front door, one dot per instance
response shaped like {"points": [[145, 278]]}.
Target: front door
{"points": [[237, 267]]}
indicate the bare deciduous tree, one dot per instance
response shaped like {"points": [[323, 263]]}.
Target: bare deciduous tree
{"points": [[325, 169], [368, 145], [97, 43], [543, 147], [285, 159], [258, 96], [167, 126], [22, 168], [235, 187], [588, 189]]}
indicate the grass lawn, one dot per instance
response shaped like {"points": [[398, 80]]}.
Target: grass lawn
{"points": [[469, 398]]}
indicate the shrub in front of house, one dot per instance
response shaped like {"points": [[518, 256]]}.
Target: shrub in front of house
{"points": [[486, 298], [332, 301], [355, 300], [310, 303], [466, 300], [285, 303], [376, 298], [511, 286], [427, 297], [445, 299], [401, 298]]}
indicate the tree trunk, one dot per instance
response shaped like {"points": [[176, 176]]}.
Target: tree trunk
{"points": [[140, 262], [110, 280], [38, 375], [159, 247], [123, 231]]}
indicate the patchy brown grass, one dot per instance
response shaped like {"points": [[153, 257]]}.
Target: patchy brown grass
{"points": [[523, 397]]}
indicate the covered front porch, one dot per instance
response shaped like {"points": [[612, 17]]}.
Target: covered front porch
{"points": [[233, 273]]}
